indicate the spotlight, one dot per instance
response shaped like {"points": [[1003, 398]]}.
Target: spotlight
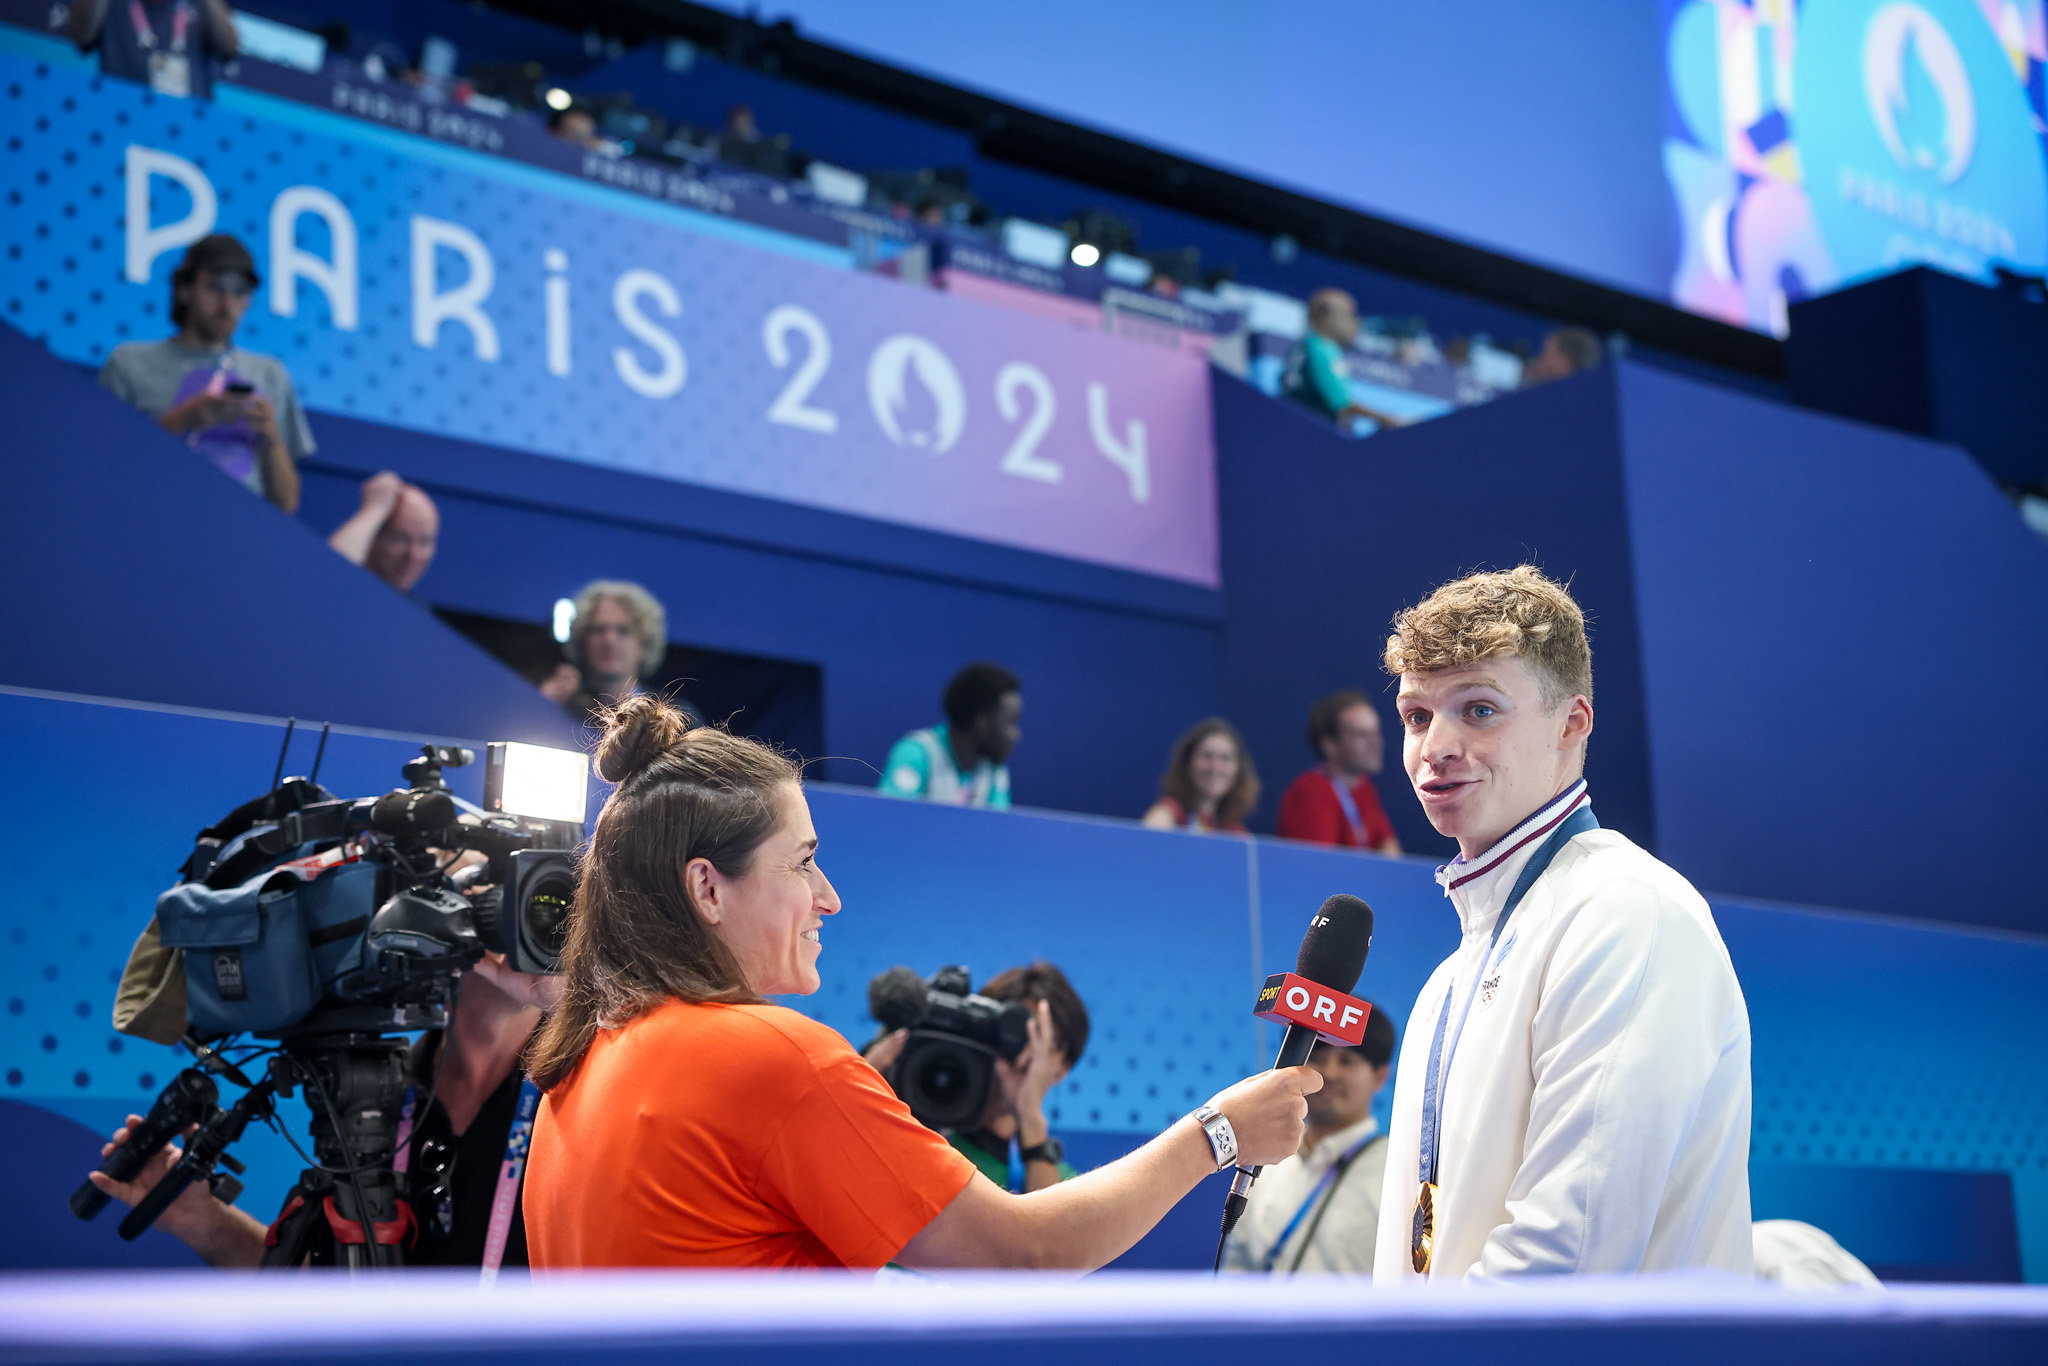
{"points": [[1085, 254], [557, 98]]}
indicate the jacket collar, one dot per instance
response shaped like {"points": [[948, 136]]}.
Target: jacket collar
{"points": [[1478, 887]]}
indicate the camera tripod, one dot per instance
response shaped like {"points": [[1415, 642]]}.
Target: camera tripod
{"points": [[347, 1210]]}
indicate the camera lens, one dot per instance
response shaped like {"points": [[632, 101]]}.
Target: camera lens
{"points": [[544, 915], [943, 1080]]}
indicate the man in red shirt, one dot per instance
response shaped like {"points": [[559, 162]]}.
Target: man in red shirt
{"points": [[1335, 802]]}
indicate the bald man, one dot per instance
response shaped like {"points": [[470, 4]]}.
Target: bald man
{"points": [[393, 533]]}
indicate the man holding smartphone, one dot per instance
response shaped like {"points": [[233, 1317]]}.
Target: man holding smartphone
{"points": [[236, 407]]}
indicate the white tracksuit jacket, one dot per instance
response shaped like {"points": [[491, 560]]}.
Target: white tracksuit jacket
{"points": [[1596, 1117]]}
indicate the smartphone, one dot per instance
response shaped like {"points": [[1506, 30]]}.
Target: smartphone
{"points": [[241, 388]]}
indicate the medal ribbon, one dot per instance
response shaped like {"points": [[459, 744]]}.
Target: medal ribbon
{"points": [[1440, 1055]]}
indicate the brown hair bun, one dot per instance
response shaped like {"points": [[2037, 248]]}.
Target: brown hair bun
{"points": [[638, 732]]}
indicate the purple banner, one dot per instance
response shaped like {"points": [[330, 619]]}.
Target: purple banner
{"points": [[424, 286]]}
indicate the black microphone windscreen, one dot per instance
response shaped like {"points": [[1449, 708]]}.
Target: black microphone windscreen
{"points": [[896, 998], [1333, 951], [407, 812]]}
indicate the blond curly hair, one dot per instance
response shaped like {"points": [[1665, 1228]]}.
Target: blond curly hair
{"points": [[1521, 612]]}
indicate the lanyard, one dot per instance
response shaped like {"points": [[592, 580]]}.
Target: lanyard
{"points": [[1350, 805], [1440, 1058], [510, 1171], [1331, 1176], [145, 33]]}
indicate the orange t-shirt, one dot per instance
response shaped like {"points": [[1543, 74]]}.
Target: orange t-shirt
{"points": [[726, 1135]]}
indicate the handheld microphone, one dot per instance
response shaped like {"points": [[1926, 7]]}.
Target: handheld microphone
{"points": [[1315, 1001]]}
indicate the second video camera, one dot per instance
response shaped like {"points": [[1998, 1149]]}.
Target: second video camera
{"points": [[947, 1068]]}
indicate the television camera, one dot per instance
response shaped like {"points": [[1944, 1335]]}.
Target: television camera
{"points": [[334, 927]]}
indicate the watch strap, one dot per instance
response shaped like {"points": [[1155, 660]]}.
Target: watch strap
{"points": [[1222, 1138], [1052, 1150]]}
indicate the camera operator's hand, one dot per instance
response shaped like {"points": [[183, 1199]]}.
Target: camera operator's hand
{"points": [[561, 685], [883, 1052], [222, 1234], [1267, 1113], [538, 991]]}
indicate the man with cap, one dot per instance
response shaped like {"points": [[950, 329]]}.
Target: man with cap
{"points": [[1320, 1209], [235, 407]]}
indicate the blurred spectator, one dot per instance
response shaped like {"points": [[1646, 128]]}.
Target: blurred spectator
{"points": [[1210, 783], [1566, 351], [1320, 1209], [237, 408], [932, 211], [1336, 803], [740, 127], [616, 640], [392, 533], [168, 45], [1316, 374], [963, 761], [576, 126]]}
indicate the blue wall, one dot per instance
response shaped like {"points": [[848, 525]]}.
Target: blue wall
{"points": [[1838, 623], [139, 571], [1895, 1066]]}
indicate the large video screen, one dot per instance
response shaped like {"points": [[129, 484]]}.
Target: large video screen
{"points": [[1815, 144], [1726, 155]]}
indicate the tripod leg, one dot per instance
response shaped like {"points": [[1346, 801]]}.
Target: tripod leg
{"points": [[292, 1240]]}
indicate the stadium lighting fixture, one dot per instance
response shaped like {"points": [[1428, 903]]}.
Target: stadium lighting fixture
{"points": [[557, 98], [1085, 254]]}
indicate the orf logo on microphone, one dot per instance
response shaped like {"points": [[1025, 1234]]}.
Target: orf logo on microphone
{"points": [[1289, 998]]}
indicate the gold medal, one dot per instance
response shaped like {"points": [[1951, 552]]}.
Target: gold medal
{"points": [[1424, 1245]]}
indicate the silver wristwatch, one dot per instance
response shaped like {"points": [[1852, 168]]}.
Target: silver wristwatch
{"points": [[1222, 1138]]}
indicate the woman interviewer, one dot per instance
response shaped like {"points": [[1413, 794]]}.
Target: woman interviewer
{"points": [[689, 1123]]}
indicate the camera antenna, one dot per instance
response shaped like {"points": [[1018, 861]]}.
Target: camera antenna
{"points": [[282, 750], [319, 753]]}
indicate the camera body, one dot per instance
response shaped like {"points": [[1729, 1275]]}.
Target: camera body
{"points": [[301, 910], [946, 1071]]}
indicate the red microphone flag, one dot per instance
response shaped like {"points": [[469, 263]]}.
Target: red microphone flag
{"points": [[1291, 999]]}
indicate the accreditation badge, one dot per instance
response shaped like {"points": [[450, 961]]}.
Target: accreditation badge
{"points": [[1423, 1246], [170, 73]]}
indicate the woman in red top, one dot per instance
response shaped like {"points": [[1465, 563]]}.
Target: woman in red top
{"points": [[689, 1123], [1209, 784]]}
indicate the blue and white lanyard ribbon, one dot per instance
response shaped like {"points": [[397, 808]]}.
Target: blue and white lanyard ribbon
{"points": [[1440, 1058], [1330, 1177], [511, 1171]]}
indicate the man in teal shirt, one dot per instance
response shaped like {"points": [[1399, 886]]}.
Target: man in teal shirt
{"points": [[964, 760], [1317, 375]]}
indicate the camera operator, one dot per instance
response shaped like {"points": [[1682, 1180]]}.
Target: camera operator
{"points": [[687, 1122], [455, 1149], [1016, 1105]]}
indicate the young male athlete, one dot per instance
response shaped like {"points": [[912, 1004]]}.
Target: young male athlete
{"points": [[1573, 1094]]}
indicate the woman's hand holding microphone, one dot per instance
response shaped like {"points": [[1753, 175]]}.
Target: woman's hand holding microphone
{"points": [[1266, 1113]]}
